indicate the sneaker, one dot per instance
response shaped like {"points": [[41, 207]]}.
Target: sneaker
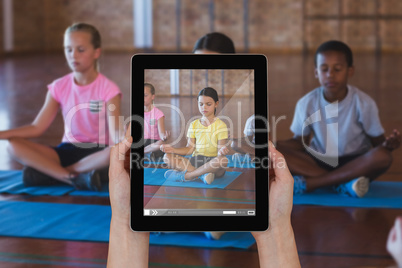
{"points": [[175, 175], [355, 188], [87, 181], [299, 186], [207, 178], [33, 177], [214, 235]]}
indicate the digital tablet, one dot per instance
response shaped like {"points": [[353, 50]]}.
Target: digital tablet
{"points": [[199, 158]]}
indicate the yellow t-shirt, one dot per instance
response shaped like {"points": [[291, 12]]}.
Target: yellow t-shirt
{"points": [[206, 138]]}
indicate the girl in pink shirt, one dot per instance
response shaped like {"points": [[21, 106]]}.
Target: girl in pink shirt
{"points": [[154, 125], [90, 105]]}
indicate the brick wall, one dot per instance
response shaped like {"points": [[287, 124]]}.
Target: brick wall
{"points": [[113, 19], [354, 22], [28, 25], [39, 25], [254, 25], [160, 79], [235, 82], [285, 25], [275, 24], [391, 30]]}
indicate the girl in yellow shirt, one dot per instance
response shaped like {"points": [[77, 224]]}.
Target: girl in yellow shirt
{"points": [[206, 141]]}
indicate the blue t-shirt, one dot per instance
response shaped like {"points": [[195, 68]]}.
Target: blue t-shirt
{"points": [[339, 128]]}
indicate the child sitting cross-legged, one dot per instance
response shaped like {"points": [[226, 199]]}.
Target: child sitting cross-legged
{"points": [[338, 138], [206, 141]]}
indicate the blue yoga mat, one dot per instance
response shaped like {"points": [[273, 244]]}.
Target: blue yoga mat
{"points": [[242, 162], [154, 176], [91, 223], [11, 182], [382, 194], [55, 221]]}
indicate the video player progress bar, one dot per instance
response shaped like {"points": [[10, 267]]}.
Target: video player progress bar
{"points": [[199, 212]]}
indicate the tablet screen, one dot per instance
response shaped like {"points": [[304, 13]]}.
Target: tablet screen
{"points": [[200, 146], [200, 111]]}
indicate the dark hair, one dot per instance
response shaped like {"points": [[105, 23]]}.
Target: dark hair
{"points": [[209, 92], [334, 45], [151, 87], [217, 42]]}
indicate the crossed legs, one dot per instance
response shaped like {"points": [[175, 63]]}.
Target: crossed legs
{"points": [[371, 164], [46, 160], [217, 166]]}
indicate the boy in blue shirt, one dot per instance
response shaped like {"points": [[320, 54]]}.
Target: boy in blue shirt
{"points": [[338, 138]]}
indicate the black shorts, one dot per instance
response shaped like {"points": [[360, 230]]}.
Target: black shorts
{"points": [[157, 155], [70, 153], [199, 160], [342, 160]]}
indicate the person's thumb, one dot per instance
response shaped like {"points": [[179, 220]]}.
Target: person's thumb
{"points": [[118, 155]]}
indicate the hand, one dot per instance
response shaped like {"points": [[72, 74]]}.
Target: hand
{"points": [[166, 148], [280, 192], [393, 141], [2, 135], [119, 178], [223, 151], [277, 245], [124, 244], [394, 242], [165, 135]]}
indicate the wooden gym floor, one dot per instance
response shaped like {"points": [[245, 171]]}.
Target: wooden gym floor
{"points": [[325, 236]]}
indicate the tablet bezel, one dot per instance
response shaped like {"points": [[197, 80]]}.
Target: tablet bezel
{"points": [[259, 222]]}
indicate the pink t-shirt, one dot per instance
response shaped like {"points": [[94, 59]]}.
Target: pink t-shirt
{"points": [[151, 124], [84, 108]]}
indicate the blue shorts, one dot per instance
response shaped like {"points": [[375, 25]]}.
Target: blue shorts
{"points": [[70, 153]]}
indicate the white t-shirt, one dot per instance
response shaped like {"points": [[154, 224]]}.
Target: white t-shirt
{"points": [[339, 128], [249, 128]]}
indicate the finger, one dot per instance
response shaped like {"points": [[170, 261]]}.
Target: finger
{"points": [[391, 239], [128, 131], [398, 229], [279, 163], [118, 154]]}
